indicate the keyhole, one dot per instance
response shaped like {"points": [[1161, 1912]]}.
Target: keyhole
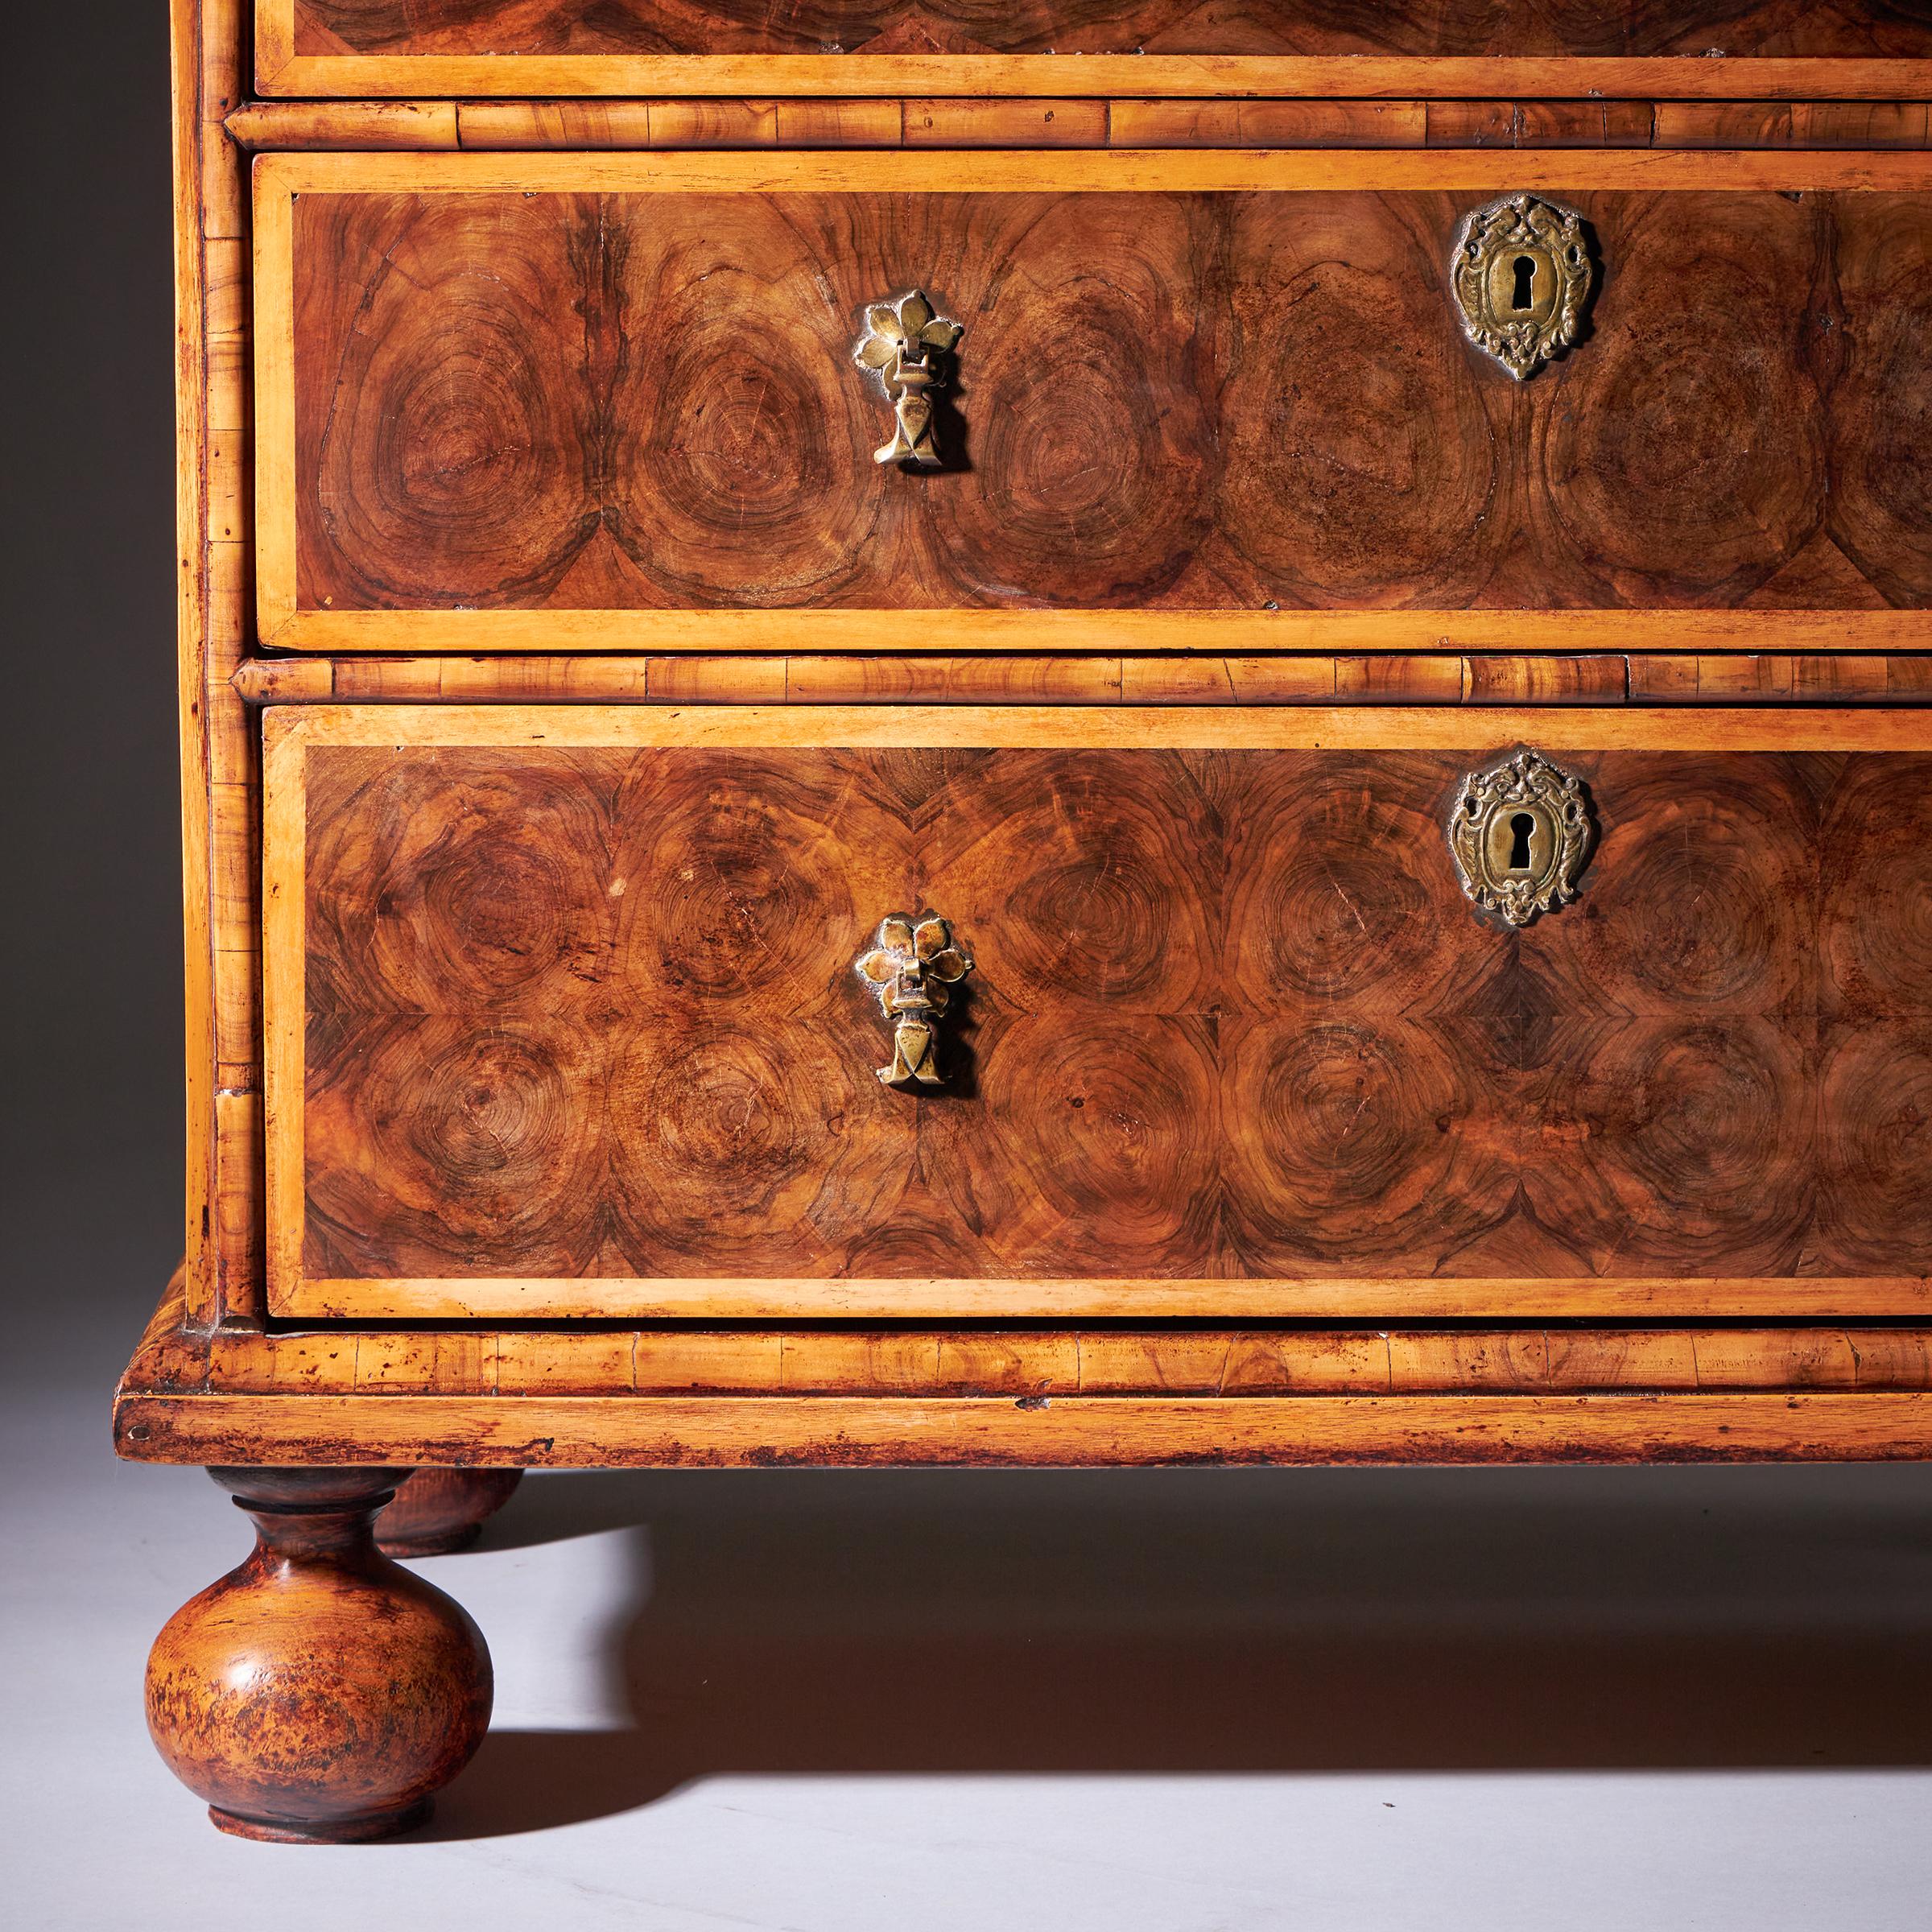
{"points": [[1526, 280], [1520, 826]]}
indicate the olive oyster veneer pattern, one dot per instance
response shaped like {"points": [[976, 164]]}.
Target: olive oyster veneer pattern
{"points": [[563, 401], [592, 1012], [1451, 27]]}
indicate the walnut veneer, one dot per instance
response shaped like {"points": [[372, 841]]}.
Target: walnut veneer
{"points": [[579, 1025], [508, 400], [570, 701]]}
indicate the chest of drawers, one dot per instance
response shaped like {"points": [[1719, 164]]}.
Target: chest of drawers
{"points": [[1094, 734]]}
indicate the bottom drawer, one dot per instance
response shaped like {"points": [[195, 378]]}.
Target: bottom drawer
{"points": [[590, 1011]]}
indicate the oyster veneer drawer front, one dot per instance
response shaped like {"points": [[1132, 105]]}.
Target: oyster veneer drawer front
{"points": [[1383, 1015], [555, 401], [1139, 47]]}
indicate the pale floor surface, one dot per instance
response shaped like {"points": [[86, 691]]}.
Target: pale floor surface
{"points": [[1682, 1701]]}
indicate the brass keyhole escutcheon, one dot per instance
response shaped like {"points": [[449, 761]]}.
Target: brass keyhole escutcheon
{"points": [[1522, 275], [1519, 834]]}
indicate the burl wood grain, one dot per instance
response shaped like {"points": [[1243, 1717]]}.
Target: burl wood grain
{"points": [[1164, 401], [590, 1012], [1465, 27]]}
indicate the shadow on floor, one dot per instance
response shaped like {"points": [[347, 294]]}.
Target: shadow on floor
{"points": [[1019, 1622]]}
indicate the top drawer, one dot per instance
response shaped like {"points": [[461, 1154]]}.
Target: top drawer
{"points": [[1077, 47], [1225, 400]]}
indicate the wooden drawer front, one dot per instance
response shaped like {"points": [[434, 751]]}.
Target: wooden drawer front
{"points": [[563, 1018], [859, 47], [568, 400]]}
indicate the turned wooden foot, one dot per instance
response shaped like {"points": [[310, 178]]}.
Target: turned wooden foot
{"points": [[439, 1511], [320, 1693]]}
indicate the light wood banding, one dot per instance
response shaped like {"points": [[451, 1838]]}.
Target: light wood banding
{"points": [[1756, 678], [1043, 123]]}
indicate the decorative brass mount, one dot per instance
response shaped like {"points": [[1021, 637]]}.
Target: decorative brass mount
{"points": [[912, 965], [1521, 273], [907, 343], [1519, 834]]}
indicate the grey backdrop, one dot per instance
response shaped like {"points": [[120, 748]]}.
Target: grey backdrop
{"points": [[92, 956], [1489, 1700]]}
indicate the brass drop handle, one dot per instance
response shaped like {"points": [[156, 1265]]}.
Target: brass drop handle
{"points": [[1519, 833], [912, 965], [909, 346]]}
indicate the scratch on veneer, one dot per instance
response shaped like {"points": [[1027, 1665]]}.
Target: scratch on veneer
{"points": [[1354, 911]]}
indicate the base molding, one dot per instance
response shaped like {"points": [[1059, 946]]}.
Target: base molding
{"points": [[617, 1431], [469, 1401]]}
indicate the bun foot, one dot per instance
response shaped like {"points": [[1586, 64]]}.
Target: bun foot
{"points": [[320, 1693], [438, 1512], [342, 1831]]}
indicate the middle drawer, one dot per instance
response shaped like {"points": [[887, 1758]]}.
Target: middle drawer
{"points": [[1374, 400]]}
